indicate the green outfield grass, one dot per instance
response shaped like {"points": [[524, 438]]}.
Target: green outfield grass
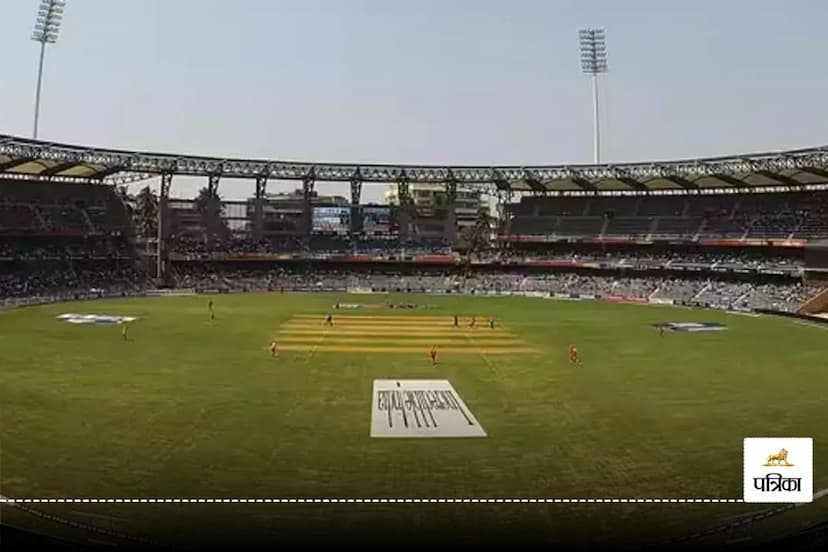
{"points": [[190, 407]]}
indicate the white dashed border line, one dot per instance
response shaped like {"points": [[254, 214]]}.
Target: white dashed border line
{"points": [[12, 501]]}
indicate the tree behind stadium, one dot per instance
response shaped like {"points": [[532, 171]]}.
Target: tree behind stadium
{"points": [[208, 204]]}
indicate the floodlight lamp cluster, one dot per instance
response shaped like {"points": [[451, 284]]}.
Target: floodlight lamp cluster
{"points": [[593, 51], [47, 23]]}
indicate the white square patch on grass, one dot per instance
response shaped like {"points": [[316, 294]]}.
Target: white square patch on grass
{"points": [[96, 319], [420, 408]]}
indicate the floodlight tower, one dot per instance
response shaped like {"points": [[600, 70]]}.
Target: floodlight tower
{"points": [[46, 29], [593, 63]]}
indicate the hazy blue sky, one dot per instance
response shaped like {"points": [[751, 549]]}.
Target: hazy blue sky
{"points": [[426, 81]]}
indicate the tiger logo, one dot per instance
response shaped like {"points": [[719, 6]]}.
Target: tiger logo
{"points": [[779, 459]]}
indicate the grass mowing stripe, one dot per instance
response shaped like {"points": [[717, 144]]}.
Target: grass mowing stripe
{"points": [[395, 320], [385, 329], [420, 350], [377, 324], [374, 317], [437, 340]]}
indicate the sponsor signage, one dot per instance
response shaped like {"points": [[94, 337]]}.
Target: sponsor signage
{"points": [[778, 469], [692, 326], [561, 263], [624, 299], [97, 319], [360, 290], [439, 259]]}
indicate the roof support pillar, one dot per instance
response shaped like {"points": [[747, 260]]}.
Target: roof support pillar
{"points": [[307, 209], [162, 251], [403, 210], [356, 195], [258, 212], [450, 231]]}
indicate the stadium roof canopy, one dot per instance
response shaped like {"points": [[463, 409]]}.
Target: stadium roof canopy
{"points": [[25, 158]]}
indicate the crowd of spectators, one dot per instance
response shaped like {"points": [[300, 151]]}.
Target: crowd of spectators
{"points": [[34, 248], [715, 258], [89, 247], [64, 282], [698, 291], [189, 247]]}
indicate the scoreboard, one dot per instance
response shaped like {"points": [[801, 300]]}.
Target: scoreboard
{"points": [[376, 221], [331, 220]]}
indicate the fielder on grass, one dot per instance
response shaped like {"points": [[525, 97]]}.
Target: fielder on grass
{"points": [[573, 355]]}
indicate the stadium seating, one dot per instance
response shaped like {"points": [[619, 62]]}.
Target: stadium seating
{"points": [[628, 226], [686, 227], [16, 217], [579, 226], [35, 207], [614, 206], [653, 206], [802, 215], [62, 240], [724, 226]]}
